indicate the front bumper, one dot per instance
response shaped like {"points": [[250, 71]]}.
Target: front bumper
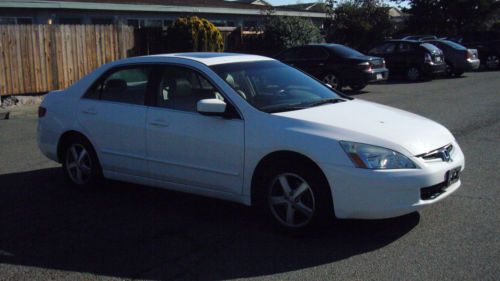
{"points": [[376, 75], [377, 194], [434, 68]]}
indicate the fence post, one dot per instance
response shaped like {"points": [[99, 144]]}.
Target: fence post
{"points": [[53, 57]]}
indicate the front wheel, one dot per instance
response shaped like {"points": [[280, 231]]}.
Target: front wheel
{"points": [[298, 198], [413, 73], [80, 164]]}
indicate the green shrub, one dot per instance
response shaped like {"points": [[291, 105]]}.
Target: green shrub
{"points": [[285, 32], [192, 34]]}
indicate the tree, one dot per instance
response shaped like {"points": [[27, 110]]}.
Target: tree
{"points": [[194, 34], [450, 17], [285, 32], [359, 23]]}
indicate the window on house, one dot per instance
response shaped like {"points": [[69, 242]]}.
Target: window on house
{"points": [[137, 23], [24, 21], [7, 20], [102, 21]]}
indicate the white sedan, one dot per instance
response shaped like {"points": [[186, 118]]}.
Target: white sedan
{"points": [[248, 129]]}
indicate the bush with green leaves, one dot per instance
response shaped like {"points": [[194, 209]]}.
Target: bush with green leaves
{"points": [[285, 32], [193, 34], [359, 23]]}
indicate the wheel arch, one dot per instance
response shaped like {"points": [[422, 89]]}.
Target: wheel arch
{"points": [[63, 142], [278, 156]]}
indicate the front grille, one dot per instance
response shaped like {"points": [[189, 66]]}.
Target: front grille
{"points": [[432, 192], [437, 153]]}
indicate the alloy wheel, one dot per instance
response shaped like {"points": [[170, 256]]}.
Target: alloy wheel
{"points": [[291, 200], [413, 74], [78, 164], [492, 62], [332, 80]]}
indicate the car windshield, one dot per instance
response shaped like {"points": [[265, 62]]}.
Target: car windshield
{"points": [[344, 51], [271, 86]]}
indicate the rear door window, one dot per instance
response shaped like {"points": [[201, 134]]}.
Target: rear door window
{"points": [[405, 47], [124, 85]]}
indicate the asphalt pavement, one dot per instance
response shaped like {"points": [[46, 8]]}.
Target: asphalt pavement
{"points": [[49, 231]]}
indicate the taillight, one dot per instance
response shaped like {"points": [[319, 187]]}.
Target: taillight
{"points": [[365, 66], [41, 111], [427, 58]]}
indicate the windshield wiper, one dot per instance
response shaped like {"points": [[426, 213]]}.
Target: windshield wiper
{"points": [[325, 101], [282, 108]]}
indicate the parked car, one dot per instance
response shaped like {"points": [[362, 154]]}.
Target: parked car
{"points": [[336, 65], [458, 58], [487, 45], [248, 129], [413, 59]]}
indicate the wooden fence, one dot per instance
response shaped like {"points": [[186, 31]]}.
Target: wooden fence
{"points": [[40, 58]]}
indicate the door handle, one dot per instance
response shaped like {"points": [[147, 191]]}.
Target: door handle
{"points": [[89, 111], [159, 123]]}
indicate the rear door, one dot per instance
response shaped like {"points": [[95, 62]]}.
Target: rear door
{"points": [[113, 115], [313, 60], [186, 147]]}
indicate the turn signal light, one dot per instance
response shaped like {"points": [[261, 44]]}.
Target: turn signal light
{"points": [[41, 111]]}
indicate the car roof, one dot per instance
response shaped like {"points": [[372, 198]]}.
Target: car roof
{"points": [[403, 40], [212, 58]]}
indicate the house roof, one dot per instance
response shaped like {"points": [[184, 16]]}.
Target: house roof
{"points": [[185, 6]]}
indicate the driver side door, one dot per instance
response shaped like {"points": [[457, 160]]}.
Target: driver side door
{"points": [[186, 147]]}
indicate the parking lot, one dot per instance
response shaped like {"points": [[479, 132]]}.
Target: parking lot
{"points": [[126, 231]]}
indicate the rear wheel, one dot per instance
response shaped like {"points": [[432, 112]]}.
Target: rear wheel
{"points": [[333, 80], [80, 163], [492, 62], [296, 197], [357, 87]]}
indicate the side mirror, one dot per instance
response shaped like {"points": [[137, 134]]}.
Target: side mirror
{"points": [[211, 107]]}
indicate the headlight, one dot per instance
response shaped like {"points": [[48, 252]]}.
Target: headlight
{"points": [[375, 157]]}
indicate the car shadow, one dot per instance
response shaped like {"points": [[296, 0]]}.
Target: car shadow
{"points": [[132, 231]]}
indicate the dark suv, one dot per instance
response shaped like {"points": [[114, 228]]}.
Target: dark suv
{"points": [[413, 59], [336, 65]]}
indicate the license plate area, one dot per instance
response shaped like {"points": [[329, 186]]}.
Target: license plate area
{"points": [[380, 76], [452, 176]]}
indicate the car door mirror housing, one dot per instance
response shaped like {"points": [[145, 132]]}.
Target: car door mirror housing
{"points": [[214, 107]]}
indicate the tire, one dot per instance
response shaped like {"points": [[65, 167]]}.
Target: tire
{"points": [[492, 62], [458, 73], [357, 87], [449, 70], [80, 163], [296, 198], [413, 74], [334, 80]]}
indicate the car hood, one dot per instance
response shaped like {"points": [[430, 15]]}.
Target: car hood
{"points": [[376, 124]]}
